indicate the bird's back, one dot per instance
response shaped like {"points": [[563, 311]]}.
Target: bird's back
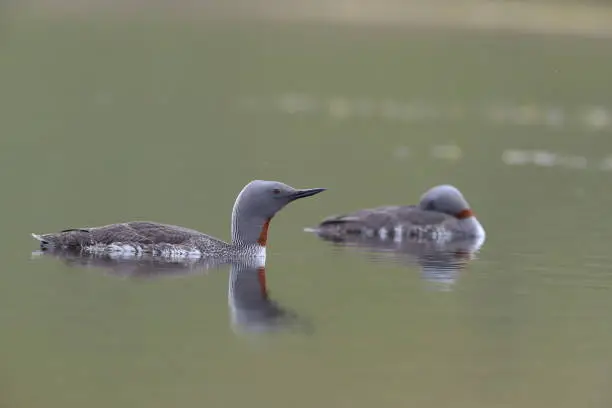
{"points": [[136, 236], [386, 222]]}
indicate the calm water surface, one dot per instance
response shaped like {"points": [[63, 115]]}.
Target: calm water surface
{"points": [[105, 122]]}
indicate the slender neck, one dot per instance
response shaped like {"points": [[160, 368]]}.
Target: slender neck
{"points": [[248, 229]]}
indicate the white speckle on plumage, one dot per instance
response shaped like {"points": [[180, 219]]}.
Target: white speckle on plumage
{"points": [[398, 232], [382, 233], [255, 205], [442, 214], [128, 248]]}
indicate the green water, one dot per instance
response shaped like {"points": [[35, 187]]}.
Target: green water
{"points": [[111, 121]]}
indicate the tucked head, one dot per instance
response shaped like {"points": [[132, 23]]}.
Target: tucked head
{"points": [[446, 199]]}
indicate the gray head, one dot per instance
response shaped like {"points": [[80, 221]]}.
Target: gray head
{"points": [[257, 203], [446, 199], [266, 198]]}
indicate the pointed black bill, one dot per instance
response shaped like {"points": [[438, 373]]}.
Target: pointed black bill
{"points": [[306, 193]]}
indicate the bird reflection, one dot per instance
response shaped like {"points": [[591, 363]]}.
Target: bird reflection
{"points": [[132, 266], [440, 263], [251, 308]]}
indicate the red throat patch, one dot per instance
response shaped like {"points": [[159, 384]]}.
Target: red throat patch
{"points": [[261, 276], [467, 213], [263, 235]]}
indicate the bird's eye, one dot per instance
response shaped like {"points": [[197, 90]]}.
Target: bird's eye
{"points": [[276, 191]]}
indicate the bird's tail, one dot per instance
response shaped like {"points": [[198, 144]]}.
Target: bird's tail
{"points": [[46, 240], [311, 230]]}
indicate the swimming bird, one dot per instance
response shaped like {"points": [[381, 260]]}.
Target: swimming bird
{"points": [[255, 206], [442, 215]]}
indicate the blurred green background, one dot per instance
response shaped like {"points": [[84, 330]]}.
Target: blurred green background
{"points": [[114, 111]]}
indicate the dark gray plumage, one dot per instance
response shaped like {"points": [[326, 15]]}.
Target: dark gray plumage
{"points": [[441, 214], [414, 220], [253, 209], [135, 232]]}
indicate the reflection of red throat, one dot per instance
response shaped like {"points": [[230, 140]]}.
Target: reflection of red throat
{"points": [[261, 276], [467, 213], [263, 235]]}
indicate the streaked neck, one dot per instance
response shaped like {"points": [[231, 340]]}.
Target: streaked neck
{"points": [[248, 229]]}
